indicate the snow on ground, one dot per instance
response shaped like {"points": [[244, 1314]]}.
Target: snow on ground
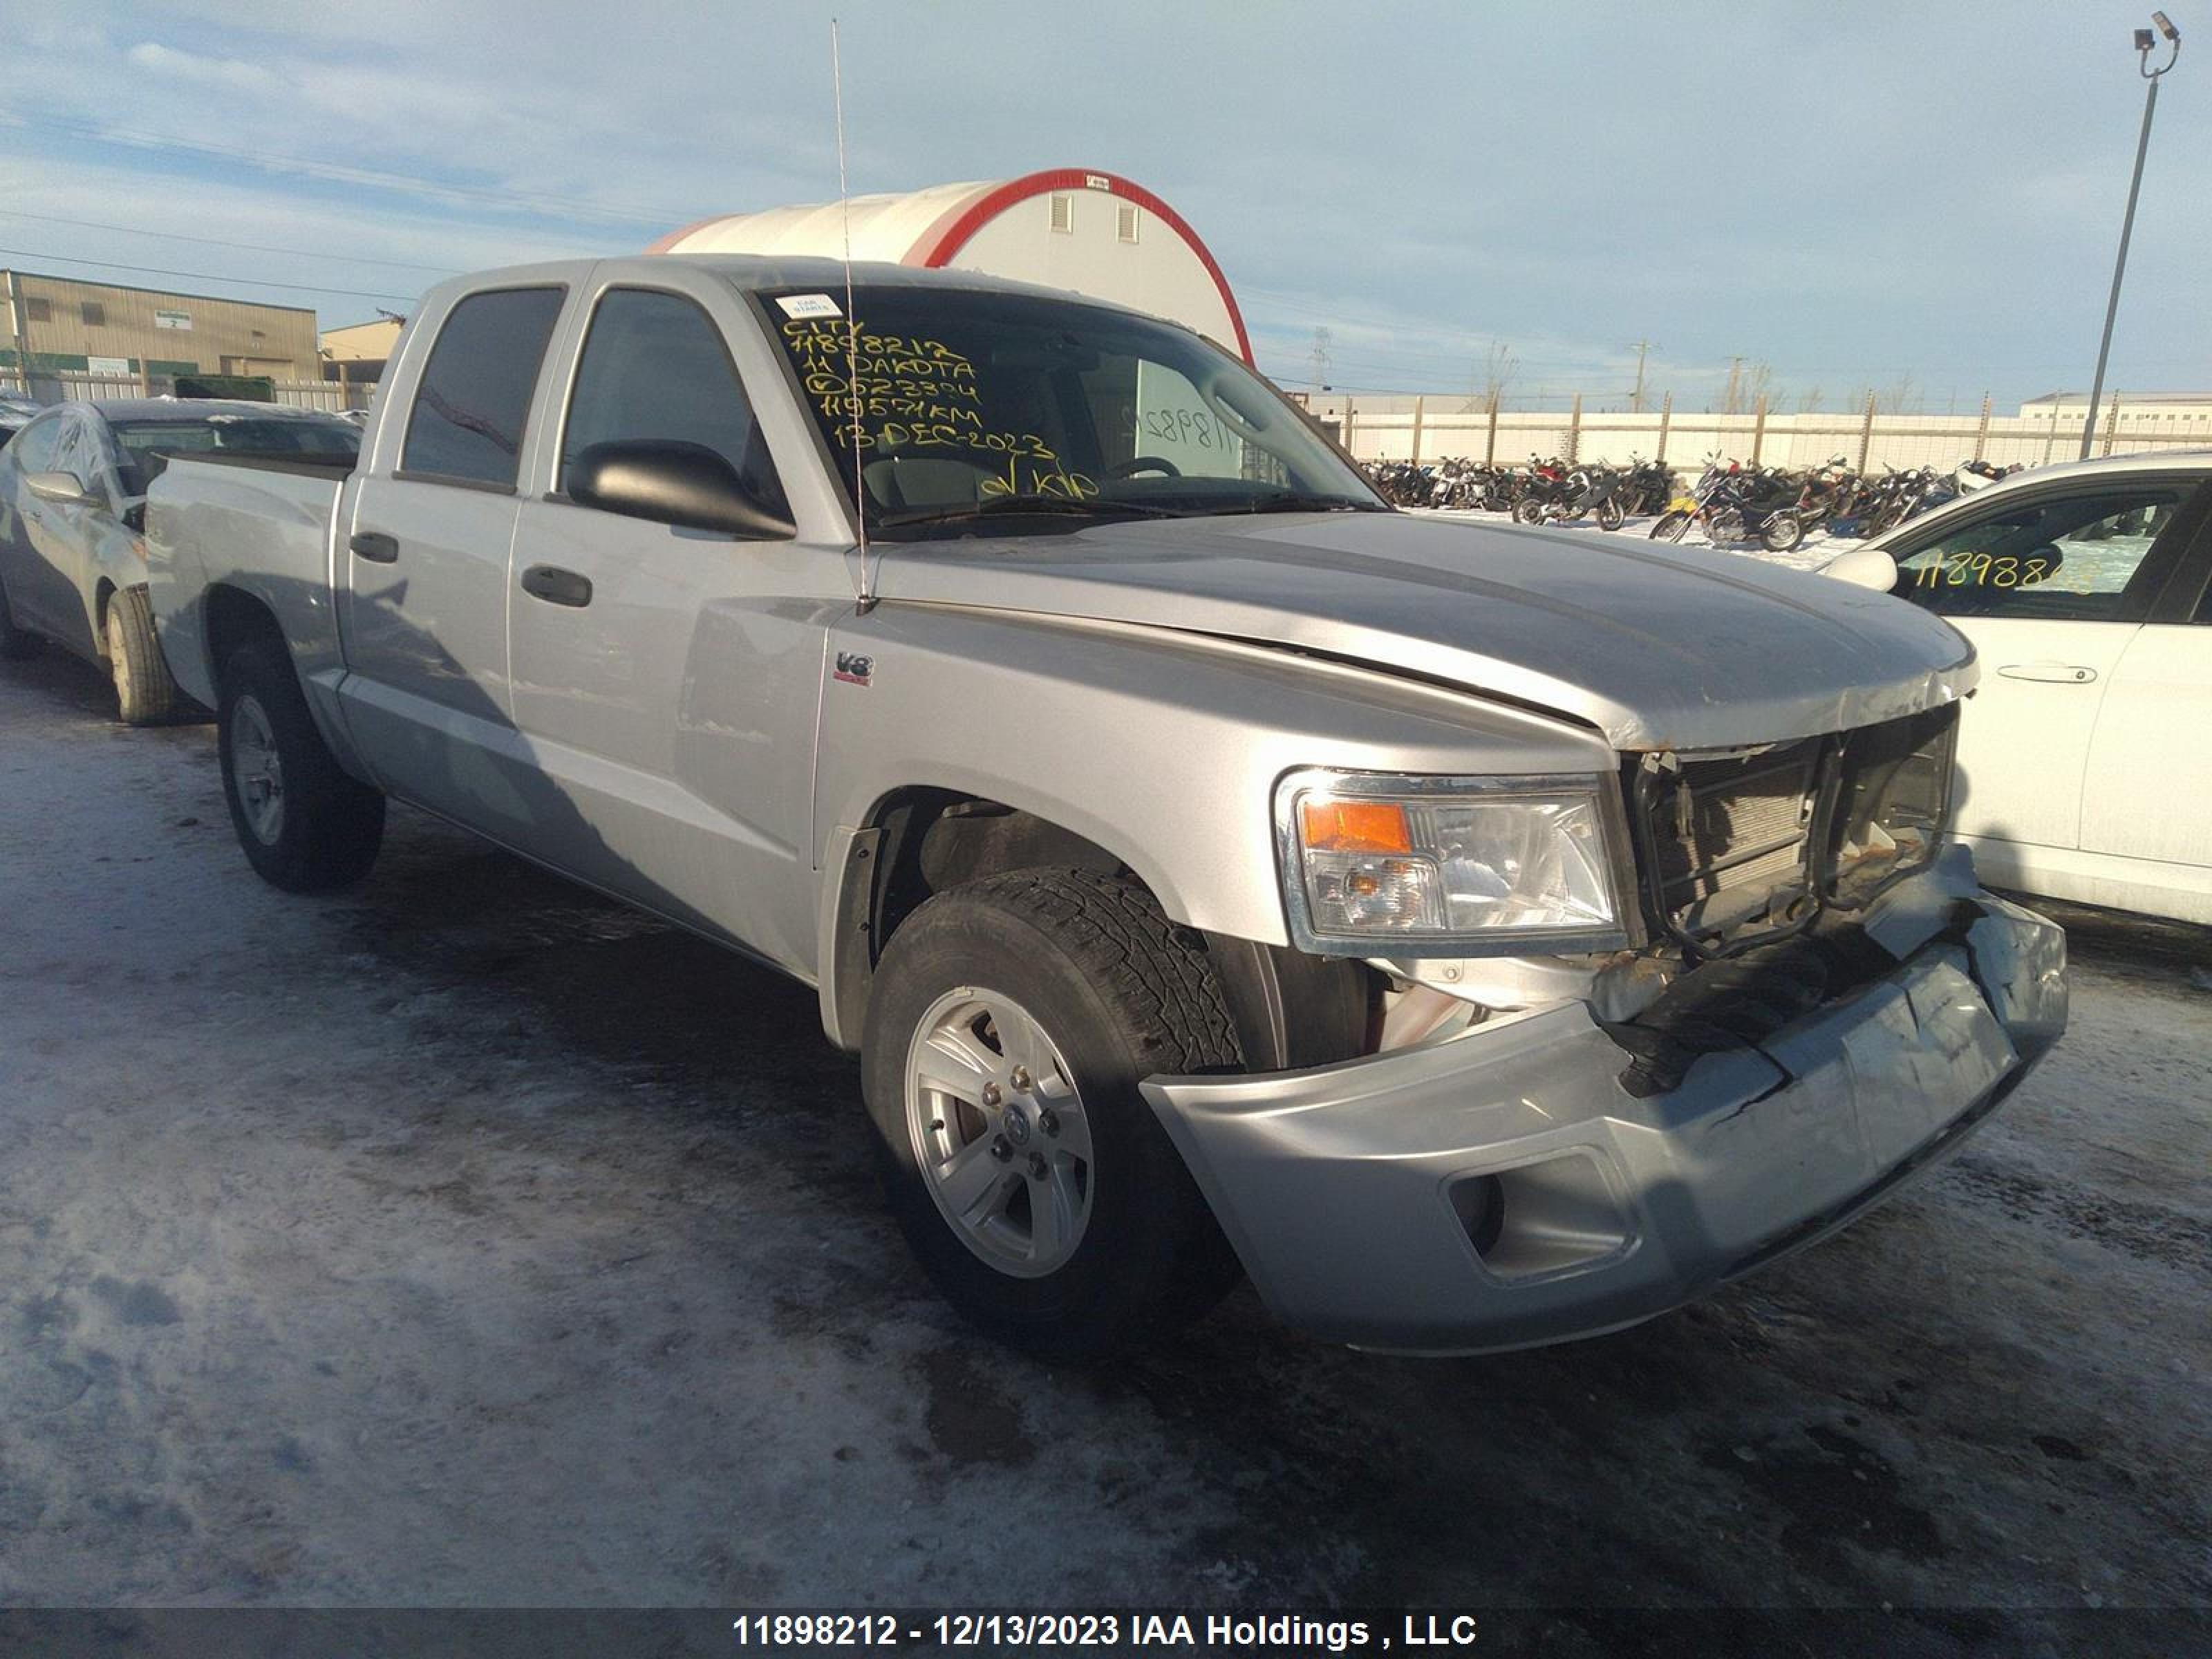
{"points": [[460, 1239]]}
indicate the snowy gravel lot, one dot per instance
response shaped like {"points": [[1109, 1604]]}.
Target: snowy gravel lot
{"points": [[460, 1239]]}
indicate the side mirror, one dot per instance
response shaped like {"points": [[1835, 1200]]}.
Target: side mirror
{"points": [[672, 482], [1864, 567], [60, 488]]}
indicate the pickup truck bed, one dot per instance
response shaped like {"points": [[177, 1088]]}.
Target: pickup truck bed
{"points": [[263, 532]]}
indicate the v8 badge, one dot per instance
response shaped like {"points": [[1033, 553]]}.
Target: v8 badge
{"points": [[853, 669]]}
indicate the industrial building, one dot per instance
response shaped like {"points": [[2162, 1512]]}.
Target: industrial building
{"points": [[358, 351], [2193, 408], [60, 324], [1072, 227]]}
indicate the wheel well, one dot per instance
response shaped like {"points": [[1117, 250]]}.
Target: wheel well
{"points": [[100, 596], [233, 617], [1290, 1009], [934, 839]]}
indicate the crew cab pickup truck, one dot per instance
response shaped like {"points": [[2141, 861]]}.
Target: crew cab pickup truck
{"points": [[1477, 938]]}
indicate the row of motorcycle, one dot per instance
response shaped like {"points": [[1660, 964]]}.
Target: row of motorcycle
{"points": [[1776, 507]]}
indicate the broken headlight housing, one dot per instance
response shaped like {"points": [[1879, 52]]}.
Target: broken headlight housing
{"points": [[1377, 864], [1892, 806]]}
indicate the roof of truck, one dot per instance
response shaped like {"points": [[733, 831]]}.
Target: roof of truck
{"points": [[752, 272]]}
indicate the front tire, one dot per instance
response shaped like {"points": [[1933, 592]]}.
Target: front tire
{"points": [[305, 825], [1781, 532], [145, 695], [1670, 526], [1528, 513], [1027, 1172], [1611, 515]]}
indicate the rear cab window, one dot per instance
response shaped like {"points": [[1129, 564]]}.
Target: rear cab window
{"points": [[465, 426]]}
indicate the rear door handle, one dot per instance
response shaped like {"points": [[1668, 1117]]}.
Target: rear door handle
{"points": [[375, 546], [555, 585], [2060, 673]]}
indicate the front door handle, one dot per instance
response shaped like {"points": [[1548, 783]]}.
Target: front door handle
{"points": [[2060, 673], [555, 585], [375, 546]]}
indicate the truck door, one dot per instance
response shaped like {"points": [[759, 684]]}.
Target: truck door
{"points": [[667, 679], [423, 606]]}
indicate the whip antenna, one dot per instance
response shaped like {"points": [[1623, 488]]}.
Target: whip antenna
{"points": [[868, 599]]}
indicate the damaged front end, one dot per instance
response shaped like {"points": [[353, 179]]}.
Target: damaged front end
{"points": [[1757, 868], [1822, 1004], [1533, 1178]]}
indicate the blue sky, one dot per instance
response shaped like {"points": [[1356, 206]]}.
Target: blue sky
{"points": [[1848, 194]]}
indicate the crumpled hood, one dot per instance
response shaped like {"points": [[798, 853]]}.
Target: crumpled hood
{"points": [[1679, 648]]}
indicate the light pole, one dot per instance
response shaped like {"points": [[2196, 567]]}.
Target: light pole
{"points": [[2144, 42]]}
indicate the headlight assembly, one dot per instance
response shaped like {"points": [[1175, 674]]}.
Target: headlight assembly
{"points": [[1382, 865]]}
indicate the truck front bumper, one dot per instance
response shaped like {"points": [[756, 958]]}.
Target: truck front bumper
{"points": [[1500, 1190]]}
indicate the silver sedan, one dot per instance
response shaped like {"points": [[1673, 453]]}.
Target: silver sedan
{"points": [[72, 497]]}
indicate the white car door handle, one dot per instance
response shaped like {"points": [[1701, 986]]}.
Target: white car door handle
{"points": [[2064, 673]]}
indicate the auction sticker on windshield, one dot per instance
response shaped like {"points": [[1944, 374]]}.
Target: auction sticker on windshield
{"points": [[808, 304]]}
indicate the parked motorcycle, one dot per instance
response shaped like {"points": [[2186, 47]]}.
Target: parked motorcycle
{"points": [[1585, 491], [1736, 505]]}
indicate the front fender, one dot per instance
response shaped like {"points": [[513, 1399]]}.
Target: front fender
{"points": [[1162, 747], [117, 561]]}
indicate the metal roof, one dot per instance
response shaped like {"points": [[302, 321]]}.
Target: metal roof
{"points": [[886, 227]]}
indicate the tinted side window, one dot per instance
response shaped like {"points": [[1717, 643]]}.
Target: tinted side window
{"points": [[654, 366], [2067, 558], [475, 395]]}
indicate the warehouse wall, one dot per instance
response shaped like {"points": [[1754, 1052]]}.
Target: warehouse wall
{"points": [[162, 332]]}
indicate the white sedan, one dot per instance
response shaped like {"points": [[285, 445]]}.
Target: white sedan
{"points": [[2085, 758]]}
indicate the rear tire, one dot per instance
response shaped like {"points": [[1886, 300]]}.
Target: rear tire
{"points": [[304, 824], [15, 643], [1030, 1174], [1781, 532], [1670, 526], [145, 695]]}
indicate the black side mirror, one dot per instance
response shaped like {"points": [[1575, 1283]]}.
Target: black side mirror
{"points": [[672, 483]]}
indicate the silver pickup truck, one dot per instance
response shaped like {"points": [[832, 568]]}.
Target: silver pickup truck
{"points": [[1479, 937]]}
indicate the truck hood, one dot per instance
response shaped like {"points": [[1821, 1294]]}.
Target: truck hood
{"points": [[1675, 649]]}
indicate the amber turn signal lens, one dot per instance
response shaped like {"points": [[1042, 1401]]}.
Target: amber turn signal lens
{"points": [[1354, 826]]}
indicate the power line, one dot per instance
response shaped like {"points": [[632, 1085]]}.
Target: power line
{"points": [[1272, 301], [210, 242], [206, 276]]}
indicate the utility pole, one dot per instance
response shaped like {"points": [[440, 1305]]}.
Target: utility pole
{"points": [[1320, 359], [1635, 398], [1733, 397], [2144, 42], [16, 332]]}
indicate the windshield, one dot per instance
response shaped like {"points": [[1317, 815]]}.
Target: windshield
{"points": [[974, 403], [142, 448]]}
